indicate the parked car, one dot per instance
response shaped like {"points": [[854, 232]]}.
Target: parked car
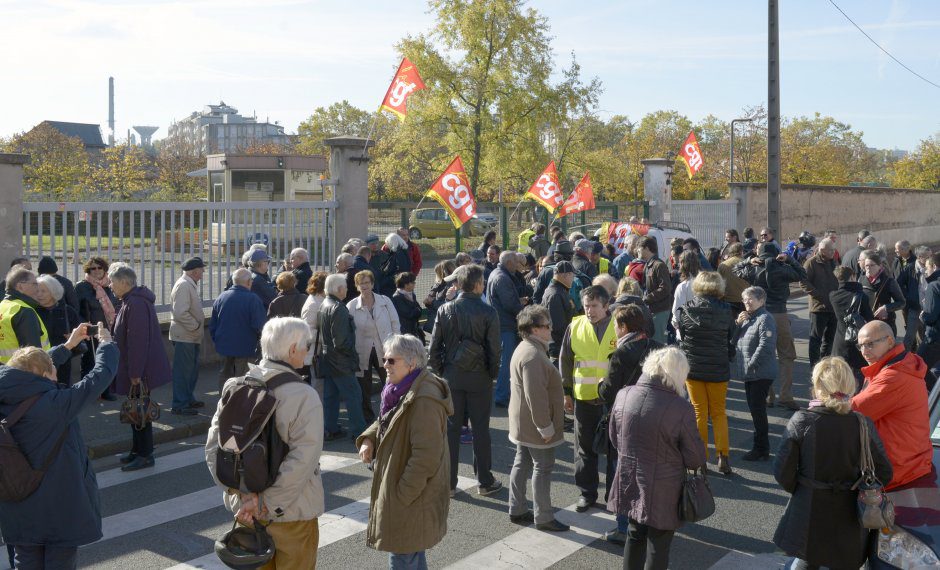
{"points": [[435, 223], [915, 543], [488, 217]]}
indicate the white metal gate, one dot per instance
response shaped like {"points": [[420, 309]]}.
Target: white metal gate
{"points": [[708, 219], [155, 237]]}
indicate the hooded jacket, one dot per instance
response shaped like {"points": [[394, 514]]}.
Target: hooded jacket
{"points": [[411, 473], [65, 509], [297, 493], [895, 398]]}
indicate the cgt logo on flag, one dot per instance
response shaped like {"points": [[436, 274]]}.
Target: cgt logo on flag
{"points": [[406, 81], [452, 190], [692, 155], [581, 200], [546, 190]]}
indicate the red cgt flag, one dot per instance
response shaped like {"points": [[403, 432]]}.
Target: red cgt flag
{"points": [[452, 190], [406, 81], [581, 200], [546, 190], [691, 154]]}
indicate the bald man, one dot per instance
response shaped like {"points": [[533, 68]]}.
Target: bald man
{"points": [[895, 398]]}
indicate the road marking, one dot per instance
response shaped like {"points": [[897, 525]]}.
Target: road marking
{"points": [[334, 526], [736, 560], [164, 463], [187, 505], [530, 548]]}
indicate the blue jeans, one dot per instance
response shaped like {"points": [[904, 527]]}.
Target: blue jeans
{"points": [[343, 388], [411, 561], [185, 373], [660, 320], [508, 339]]}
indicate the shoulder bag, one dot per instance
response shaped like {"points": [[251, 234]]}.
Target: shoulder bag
{"points": [[138, 409], [875, 509], [18, 479], [696, 501], [853, 320]]}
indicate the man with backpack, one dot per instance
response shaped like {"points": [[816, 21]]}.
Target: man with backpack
{"points": [[268, 462]]}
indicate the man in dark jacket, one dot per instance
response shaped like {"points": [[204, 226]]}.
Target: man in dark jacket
{"points": [[48, 266], [503, 295], [905, 273], [19, 322], [582, 258], [820, 281], [235, 327], [64, 512], [929, 350], [414, 252], [339, 361], [300, 266], [773, 272], [850, 257], [259, 262], [379, 256], [559, 304], [563, 252], [657, 284], [465, 351]]}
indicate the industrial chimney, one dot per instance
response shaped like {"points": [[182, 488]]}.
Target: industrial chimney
{"points": [[110, 111]]}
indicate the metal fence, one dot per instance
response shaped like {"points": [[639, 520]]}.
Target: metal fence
{"points": [[154, 238], [708, 219]]}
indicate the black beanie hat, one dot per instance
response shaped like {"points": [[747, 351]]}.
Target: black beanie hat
{"points": [[47, 266]]}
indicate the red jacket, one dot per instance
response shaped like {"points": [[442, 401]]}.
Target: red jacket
{"points": [[414, 254], [895, 398]]}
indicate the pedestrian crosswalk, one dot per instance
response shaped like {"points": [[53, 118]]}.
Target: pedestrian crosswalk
{"points": [[190, 521]]}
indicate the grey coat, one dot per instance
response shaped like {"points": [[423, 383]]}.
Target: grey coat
{"points": [[756, 357], [653, 429]]}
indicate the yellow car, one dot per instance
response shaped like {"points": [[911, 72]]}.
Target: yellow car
{"points": [[435, 223]]}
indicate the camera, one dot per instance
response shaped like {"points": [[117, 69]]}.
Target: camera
{"points": [[92, 330]]}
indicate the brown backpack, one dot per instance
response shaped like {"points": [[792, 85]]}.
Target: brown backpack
{"points": [[250, 449], [18, 479]]}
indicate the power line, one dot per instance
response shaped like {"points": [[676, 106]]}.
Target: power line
{"points": [[898, 61]]}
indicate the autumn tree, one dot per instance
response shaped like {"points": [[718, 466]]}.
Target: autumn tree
{"points": [[123, 171], [921, 168], [58, 166], [336, 120]]}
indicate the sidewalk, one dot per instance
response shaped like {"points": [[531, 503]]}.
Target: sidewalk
{"points": [[106, 435]]}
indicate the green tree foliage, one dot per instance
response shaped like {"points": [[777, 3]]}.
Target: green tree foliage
{"points": [[123, 171], [920, 169], [58, 166], [325, 122], [173, 162]]}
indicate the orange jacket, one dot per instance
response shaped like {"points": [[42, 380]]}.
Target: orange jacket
{"points": [[895, 398]]}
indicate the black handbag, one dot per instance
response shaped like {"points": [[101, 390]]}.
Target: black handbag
{"points": [[875, 509], [138, 409], [601, 436], [853, 321], [696, 501]]}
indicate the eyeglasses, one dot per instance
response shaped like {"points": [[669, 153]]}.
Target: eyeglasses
{"points": [[870, 344], [95, 268], [765, 235], [389, 361]]}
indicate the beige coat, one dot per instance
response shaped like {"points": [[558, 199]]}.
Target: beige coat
{"points": [[411, 481], [537, 404], [187, 321], [373, 329], [297, 493]]}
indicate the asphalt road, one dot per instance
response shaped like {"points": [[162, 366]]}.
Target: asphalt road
{"points": [[169, 519]]}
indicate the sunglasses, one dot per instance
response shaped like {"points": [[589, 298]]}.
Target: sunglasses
{"points": [[389, 361], [95, 268]]}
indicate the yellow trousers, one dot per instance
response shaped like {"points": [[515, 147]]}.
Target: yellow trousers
{"points": [[295, 545], [708, 400]]}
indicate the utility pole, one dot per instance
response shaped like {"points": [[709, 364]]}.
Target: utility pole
{"points": [[773, 117]]}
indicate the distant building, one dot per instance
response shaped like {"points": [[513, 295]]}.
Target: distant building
{"points": [[219, 129], [89, 134]]}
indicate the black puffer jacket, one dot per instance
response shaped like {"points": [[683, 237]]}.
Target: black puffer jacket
{"points": [[626, 365], [337, 339], [820, 448], [774, 277], [708, 329], [624, 300], [465, 346]]}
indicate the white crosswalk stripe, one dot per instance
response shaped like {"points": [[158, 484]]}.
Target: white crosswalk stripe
{"points": [[531, 548], [335, 525], [166, 463], [186, 505]]}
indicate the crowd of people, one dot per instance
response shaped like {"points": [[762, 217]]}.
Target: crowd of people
{"points": [[637, 346]]}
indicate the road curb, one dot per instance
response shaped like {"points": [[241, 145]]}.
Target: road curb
{"points": [[123, 444]]}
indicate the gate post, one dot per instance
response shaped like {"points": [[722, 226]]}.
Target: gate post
{"points": [[349, 171], [11, 206], [657, 187]]}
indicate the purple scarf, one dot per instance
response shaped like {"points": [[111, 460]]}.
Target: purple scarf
{"points": [[393, 393]]}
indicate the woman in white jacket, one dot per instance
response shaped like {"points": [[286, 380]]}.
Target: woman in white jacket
{"points": [[316, 292], [376, 321]]}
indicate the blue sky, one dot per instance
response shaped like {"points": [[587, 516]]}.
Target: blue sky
{"points": [[283, 58]]}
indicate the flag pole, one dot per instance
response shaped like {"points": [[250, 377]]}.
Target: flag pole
{"points": [[517, 208], [365, 147], [425, 195]]}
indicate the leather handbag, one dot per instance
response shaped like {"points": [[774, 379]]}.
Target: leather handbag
{"points": [[875, 509], [696, 502], [138, 409], [853, 320]]}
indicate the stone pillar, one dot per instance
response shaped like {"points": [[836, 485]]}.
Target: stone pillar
{"points": [[741, 192], [349, 173], [11, 207], [657, 187]]}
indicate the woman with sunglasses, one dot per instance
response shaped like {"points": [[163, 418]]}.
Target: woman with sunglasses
{"points": [[407, 447], [97, 303]]}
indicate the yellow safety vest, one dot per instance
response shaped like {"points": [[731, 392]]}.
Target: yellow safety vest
{"points": [[603, 266], [524, 238], [8, 341], [591, 358]]}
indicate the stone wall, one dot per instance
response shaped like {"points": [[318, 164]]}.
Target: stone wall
{"points": [[11, 207], [891, 214]]}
